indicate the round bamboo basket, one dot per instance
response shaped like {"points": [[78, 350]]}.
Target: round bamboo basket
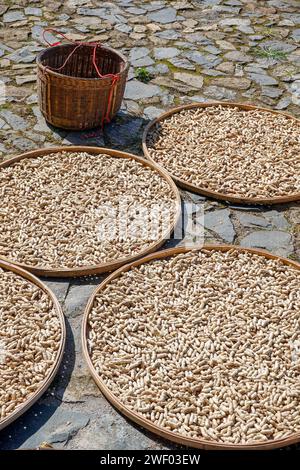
{"points": [[145, 423], [28, 403], [76, 97], [111, 265], [206, 192]]}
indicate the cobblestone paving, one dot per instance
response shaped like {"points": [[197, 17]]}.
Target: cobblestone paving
{"points": [[244, 50]]}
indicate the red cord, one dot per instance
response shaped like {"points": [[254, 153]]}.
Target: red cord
{"points": [[114, 77]]}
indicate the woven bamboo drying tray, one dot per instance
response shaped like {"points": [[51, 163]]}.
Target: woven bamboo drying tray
{"points": [[111, 265], [136, 417], [206, 192], [75, 97], [34, 280]]}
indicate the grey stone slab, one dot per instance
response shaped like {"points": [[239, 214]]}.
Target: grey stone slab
{"points": [[235, 22], [271, 92], [15, 122], [283, 103], [219, 222], [207, 60], [60, 427], [152, 112], [182, 63], [21, 143], [294, 17], [279, 243], [139, 57], [138, 53], [277, 219], [262, 79], [246, 29], [111, 13], [212, 50], [194, 81], [251, 220], [13, 16], [29, 78], [239, 83], [59, 287], [219, 93], [143, 62], [165, 52], [77, 298], [282, 46], [123, 28], [212, 73], [168, 34], [238, 56], [198, 38], [136, 90], [33, 11], [159, 68], [136, 11], [164, 16], [296, 35], [23, 55]]}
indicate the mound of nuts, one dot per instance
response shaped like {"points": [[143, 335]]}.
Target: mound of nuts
{"points": [[204, 343], [30, 339], [254, 154], [66, 210]]}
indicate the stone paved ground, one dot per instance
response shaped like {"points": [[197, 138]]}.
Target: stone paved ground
{"points": [[244, 50]]}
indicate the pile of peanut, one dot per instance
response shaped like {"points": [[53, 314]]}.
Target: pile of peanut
{"points": [[254, 154], [54, 209], [205, 344], [30, 338]]}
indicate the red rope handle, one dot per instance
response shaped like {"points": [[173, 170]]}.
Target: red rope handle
{"points": [[95, 45]]}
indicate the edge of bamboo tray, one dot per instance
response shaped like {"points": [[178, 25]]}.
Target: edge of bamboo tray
{"points": [[206, 192], [134, 416], [30, 401], [110, 265]]}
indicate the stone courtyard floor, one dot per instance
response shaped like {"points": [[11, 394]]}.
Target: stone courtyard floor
{"points": [[243, 50]]}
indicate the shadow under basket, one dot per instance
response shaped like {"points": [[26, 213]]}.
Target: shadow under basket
{"points": [[75, 97]]}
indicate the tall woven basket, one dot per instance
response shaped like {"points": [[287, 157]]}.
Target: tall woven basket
{"points": [[75, 97]]}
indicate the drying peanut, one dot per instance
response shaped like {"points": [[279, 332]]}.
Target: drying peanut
{"points": [[215, 357], [30, 338], [254, 154], [54, 208]]}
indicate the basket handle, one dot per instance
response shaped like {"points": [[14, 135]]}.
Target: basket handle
{"points": [[48, 30]]}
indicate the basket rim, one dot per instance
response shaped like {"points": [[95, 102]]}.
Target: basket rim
{"points": [[136, 417], [8, 266], [45, 69], [113, 264], [207, 192]]}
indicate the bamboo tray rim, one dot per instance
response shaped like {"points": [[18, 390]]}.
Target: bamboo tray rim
{"points": [[22, 408], [46, 69], [207, 192], [110, 265], [136, 417]]}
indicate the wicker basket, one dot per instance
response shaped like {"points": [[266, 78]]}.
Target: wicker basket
{"points": [[75, 97]]}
